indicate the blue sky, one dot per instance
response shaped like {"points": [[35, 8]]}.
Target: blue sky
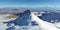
{"points": [[29, 3]]}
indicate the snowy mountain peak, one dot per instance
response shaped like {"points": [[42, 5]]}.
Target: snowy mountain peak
{"points": [[22, 20]]}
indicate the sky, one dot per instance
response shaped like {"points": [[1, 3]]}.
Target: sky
{"points": [[29, 3]]}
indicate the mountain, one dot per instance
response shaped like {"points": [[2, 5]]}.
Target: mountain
{"points": [[23, 19], [28, 21]]}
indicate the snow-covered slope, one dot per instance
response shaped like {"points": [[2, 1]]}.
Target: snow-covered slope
{"points": [[43, 24]]}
